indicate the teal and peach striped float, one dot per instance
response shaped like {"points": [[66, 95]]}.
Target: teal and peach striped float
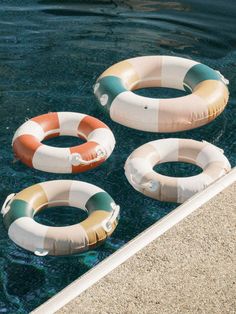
{"points": [[19, 210], [207, 99]]}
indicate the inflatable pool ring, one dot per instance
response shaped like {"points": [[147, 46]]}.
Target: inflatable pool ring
{"points": [[19, 209], [28, 148], [207, 99], [140, 174]]}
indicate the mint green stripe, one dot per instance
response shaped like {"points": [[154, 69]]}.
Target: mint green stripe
{"points": [[111, 86], [99, 201], [18, 209], [199, 73]]}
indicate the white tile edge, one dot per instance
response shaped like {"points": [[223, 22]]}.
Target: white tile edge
{"points": [[143, 239]]}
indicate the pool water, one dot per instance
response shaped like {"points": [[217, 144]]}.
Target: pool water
{"points": [[51, 53]]}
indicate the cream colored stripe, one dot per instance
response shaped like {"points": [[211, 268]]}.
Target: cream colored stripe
{"points": [[57, 192], [148, 179], [103, 137], [66, 240], [28, 234], [136, 168], [174, 70], [69, 122], [149, 70], [146, 151], [217, 169], [189, 186], [209, 154], [127, 108], [80, 193], [30, 128], [167, 149], [52, 159]]}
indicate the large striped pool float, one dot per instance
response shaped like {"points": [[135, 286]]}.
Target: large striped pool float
{"points": [[207, 99], [19, 210], [28, 148], [140, 174]]}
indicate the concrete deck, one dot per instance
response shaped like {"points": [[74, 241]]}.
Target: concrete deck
{"points": [[189, 269]]}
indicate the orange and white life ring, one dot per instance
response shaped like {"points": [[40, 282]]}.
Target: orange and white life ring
{"points": [[28, 147]]}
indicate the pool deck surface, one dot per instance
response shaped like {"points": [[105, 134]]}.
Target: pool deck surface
{"points": [[191, 268]]}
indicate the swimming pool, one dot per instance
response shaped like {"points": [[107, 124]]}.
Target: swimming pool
{"points": [[51, 53]]}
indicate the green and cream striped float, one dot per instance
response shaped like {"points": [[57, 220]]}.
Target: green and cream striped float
{"points": [[19, 210], [207, 99]]}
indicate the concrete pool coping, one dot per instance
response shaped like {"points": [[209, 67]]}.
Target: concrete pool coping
{"points": [[135, 245]]}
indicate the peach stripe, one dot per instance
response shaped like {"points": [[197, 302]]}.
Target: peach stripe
{"points": [[34, 196], [189, 150], [125, 71], [148, 70], [146, 151], [215, 94], [182, 113], [166, 187]]}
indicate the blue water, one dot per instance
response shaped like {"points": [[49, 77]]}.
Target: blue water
{"points": [[51, 53]]}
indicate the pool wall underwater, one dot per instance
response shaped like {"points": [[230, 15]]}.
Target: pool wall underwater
{"points": [[50, 56]]}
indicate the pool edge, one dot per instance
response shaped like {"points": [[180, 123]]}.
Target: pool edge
{"points": [[132, 247]]}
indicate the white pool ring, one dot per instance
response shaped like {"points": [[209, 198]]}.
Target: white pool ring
{"points": [[207, 99], [140, 174]]}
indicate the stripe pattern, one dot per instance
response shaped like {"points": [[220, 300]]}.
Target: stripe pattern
{"points": [[207, 98], [32, 236], [28, 146], [140, 174]]}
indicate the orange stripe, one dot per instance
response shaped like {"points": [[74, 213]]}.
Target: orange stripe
{"points": [[89, 124], [87, 152], [24, 148], [48, 121], [51, 136]]}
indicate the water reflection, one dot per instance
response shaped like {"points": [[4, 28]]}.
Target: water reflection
{"points": [[155, 6], [110, 8], [188, 27]]}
